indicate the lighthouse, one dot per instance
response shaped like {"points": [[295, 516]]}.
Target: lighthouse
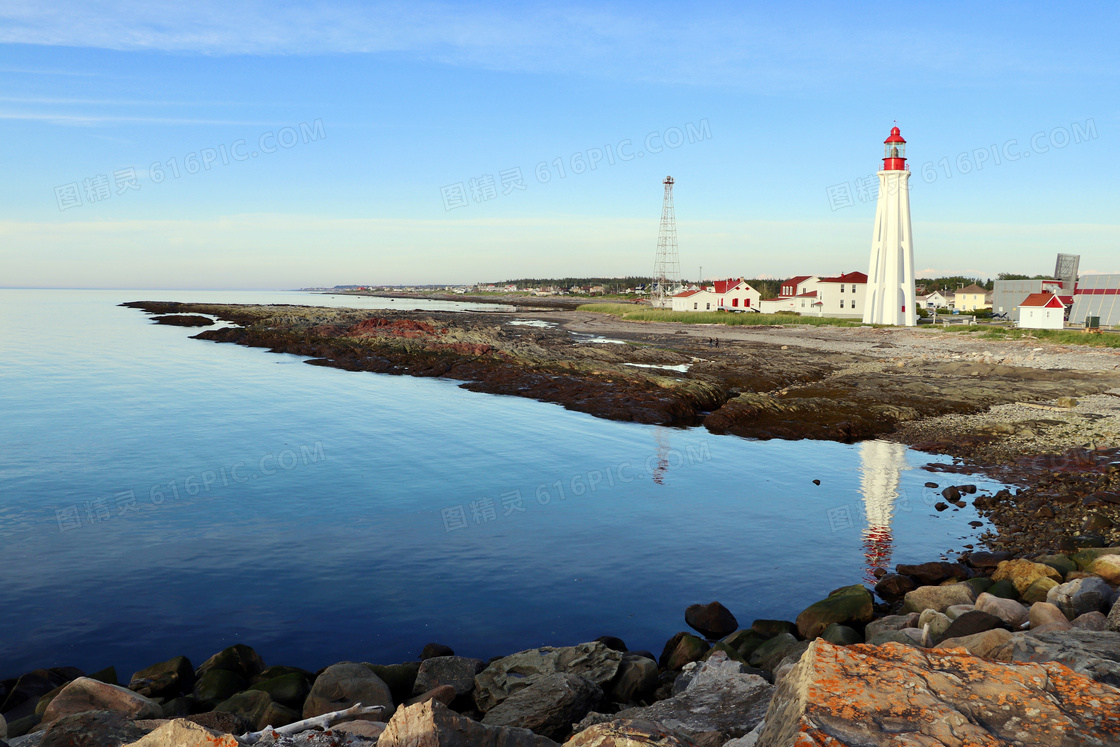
{"points": [[890, 277]]}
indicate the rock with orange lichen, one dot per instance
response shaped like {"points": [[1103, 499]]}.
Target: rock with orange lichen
{"points": [[899, 695]]}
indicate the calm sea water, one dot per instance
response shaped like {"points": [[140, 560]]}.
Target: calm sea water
{"points": [[161, 495]]}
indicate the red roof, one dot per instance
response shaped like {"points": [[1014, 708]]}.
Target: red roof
{"points": [[723, 286], [810, 294], [1043, 300], [1067, 300], [686, 294], [848, 277], [794, 282], [896, 136]]}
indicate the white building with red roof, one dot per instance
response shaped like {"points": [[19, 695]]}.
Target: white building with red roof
{"points": [[1042, 311], [733, 294], [842, 296]]}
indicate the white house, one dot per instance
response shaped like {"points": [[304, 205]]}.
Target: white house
{"points": [[726, 295], [799, 285], [736, 295], [932, 301], [695, 300], [843, 295], [1042, 311]]}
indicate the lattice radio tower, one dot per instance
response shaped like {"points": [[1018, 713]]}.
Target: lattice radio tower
{"points": [[667, 267]]}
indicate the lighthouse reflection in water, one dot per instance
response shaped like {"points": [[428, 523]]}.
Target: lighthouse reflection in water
{"points": [[881, 464]]}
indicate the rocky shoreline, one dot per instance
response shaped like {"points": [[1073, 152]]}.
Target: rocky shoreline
{"points": [[1014, 643], [993, 649]]}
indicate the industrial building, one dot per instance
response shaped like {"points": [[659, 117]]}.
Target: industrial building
{"points": [[1099, 296]]}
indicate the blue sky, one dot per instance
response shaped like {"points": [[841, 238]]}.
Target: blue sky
{"points": [[336, 136]]}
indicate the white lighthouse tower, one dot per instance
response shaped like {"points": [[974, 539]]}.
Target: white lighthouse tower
{"points": [[890, 278]]}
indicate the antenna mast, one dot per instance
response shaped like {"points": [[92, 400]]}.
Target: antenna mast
{"points": [[667, 267]]}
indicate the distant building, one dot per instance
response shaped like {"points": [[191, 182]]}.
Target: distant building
{"points": [[842, 296], [1042, 311], [723, 295], [1097, 295], [932, 301], [971, 298], [1009, 294]]}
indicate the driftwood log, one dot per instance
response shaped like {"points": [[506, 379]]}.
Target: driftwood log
{"points": [[324, 722]]}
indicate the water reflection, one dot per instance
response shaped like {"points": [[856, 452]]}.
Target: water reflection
{"points": [[661, 436], [881, 466]]}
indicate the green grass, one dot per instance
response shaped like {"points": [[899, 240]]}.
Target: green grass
{"points": [[636, 313], [1056, 336]]}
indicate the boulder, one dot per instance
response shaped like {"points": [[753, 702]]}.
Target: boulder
{"points": [[432, 724], [1075, 598], [1044, 613], [938, 598], [432, 650], [721, 697], [1038, 591], [3, 727], [548, 706], [84, 694], [1085, 557], [1003, 589], [258, 709], [987, 645], [980, 583], [167, 679], [1090, 621], [1095, 654], [25, 692], [371, 730], [444, 694], [893, 695], [770, 654], [932, 574], [401, 678], [771, 628], [746, 641], [288, 689], [636, 680], [683, 648], [841, 635], [713, 620], [905, 636], [893, 587], [1061, 563], [90, 728], [342, 685], [935, 622], [1008, 610], [971, 623], [890, 622], [457, 671], [1107, 567], [1113, 622], [238, 658], [613, 642], [180, 707], [183, 733], [628, 733], [957, 610], [850, 605], [503, 677], [216, 685], [107, 675], [1023, 573]]}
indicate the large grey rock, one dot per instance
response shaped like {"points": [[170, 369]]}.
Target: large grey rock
{"points": [[894, 695], [1075, 598], [548, 706], [770, 654], [502, 678], [256, 707], [935, 622], [628, 733], [93, 728], [636, 680], [850, 605], [342, 685], [84, 694], [1090, 621], [938, 598], [987, 645], [432, 724], [891, 622], [456, 671], [1095, 654], [721, 697]]}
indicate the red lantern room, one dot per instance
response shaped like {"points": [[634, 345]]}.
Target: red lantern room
{"points": [[894, 152]]}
